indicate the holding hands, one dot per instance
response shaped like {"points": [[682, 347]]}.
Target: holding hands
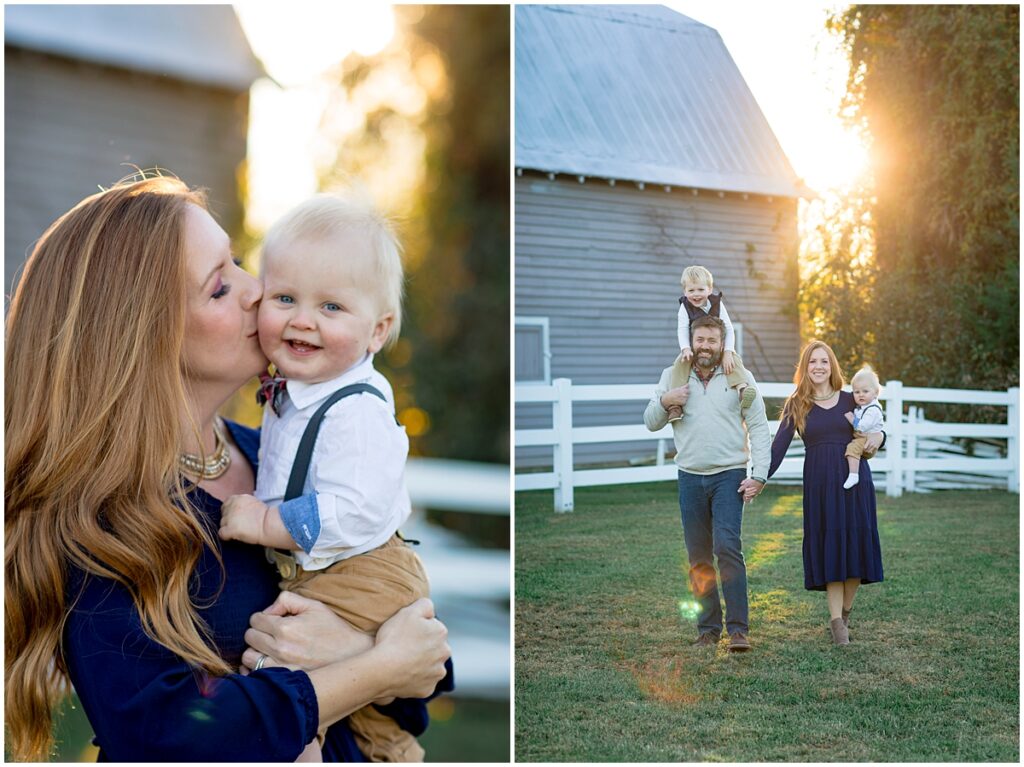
{"points": [[751, 488]]}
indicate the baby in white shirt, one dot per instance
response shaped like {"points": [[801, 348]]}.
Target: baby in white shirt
{"points": [[332, 295], [866, 418]]}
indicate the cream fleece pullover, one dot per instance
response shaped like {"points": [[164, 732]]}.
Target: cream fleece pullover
{"points": [[712, 435]]}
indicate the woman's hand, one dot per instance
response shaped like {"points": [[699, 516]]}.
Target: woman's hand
{"points": [[871, 443], [412, 645], [300, 633]]}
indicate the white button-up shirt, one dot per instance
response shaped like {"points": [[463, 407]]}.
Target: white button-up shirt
{"points": [[868, 419], [355, 497]]}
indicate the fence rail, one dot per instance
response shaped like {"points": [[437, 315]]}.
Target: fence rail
{"points": [[904, 462]]}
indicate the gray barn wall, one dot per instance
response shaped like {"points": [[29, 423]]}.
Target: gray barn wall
{"points": [[603, 264], [70, 125]]}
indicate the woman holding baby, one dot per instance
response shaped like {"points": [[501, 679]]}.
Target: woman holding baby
{"points": [[840, 547], [131, 326]]}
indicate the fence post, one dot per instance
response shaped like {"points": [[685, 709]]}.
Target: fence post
{"points": [[894, 438], [562, 424], [913, 417], [1013, 441]]}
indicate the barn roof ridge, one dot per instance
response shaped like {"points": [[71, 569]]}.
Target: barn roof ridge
{"points": [[640, 93], [195, 43]]}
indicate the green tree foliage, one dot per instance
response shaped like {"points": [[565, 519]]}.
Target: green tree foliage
{"points": [[839, 280], [937, 87], [452, 367]]}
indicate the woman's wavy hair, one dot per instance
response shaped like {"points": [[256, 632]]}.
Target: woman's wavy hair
{"points": [[94, 397], [798, 404]]}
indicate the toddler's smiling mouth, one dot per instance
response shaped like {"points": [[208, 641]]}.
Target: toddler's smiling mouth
{"points": [[301, 347]]}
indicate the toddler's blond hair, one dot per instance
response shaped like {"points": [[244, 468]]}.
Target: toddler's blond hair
{"points": [[866, 374], [697, 275], [325, 216]]}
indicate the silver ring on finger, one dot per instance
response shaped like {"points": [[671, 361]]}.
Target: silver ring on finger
{"points": [[259, 663]]}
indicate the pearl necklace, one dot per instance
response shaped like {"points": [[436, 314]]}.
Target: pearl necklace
{"points": [[830, 395], [212, 467]]}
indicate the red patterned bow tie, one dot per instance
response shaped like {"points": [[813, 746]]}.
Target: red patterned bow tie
{"points": [[272, 389]]}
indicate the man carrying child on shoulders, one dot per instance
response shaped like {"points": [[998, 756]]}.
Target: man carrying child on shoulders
{"points": [[712, 452]]}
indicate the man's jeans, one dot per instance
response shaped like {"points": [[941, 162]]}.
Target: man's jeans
{"points": [[712, 512]]}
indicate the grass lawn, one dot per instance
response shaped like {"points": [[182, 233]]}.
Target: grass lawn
{"points": [[604, 620], [461, 730]]}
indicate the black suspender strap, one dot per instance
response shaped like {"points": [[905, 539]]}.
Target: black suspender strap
{"points": [[300, 467]]}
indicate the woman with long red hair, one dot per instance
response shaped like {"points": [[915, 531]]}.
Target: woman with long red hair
{"points": [[131, 326], [840, 548]]}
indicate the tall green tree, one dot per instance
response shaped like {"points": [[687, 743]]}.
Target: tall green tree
{"points": [[452, 368], [937, 87]]}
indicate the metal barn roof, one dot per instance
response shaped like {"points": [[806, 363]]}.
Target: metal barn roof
{"points": [[639, 93], [198, 43]]}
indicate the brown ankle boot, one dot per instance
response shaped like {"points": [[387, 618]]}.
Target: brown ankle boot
{"points": [[840, 635], [674, 413], [846, 617]]}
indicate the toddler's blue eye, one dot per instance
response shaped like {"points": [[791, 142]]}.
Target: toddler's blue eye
{"points": [[286, 299], [332, 307]]}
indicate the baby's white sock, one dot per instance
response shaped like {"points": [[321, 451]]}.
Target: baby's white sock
{"points": [[851, 480]]}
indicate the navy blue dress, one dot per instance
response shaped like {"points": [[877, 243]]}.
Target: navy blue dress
{"points": [[146, 704], [840, 527]]}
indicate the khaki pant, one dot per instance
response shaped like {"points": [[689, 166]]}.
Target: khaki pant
{"points": [[856, 448], [366, 590], [681, 372]]}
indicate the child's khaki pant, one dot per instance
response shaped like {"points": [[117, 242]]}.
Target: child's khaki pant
{"points": [[857, 446], [366, 590], [681, 372]]}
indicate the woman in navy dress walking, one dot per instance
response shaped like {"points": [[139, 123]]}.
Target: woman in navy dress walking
{"points": [[841, 549]]}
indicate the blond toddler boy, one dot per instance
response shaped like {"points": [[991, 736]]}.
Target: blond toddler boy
{"points": [[332, 298], [698, 299], [866, 418]]}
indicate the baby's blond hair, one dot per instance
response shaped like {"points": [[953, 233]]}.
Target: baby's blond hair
{"points": [[325, 216], [697, 275], [866, 374]]}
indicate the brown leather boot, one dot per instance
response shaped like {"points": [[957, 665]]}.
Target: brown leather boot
{"points": [[840, 635], [674, 413], [846, 617]]}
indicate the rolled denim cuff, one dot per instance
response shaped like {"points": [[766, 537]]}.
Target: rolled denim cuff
{"points": [[301, 517]]}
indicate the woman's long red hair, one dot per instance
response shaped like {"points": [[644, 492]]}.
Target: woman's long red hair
{"points": [[94, 396]]}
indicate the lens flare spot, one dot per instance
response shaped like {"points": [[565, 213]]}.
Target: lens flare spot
{"points": [[200, 716], [702, 580], [441, 709], [415, 421], [688, 609], [663, 680]]}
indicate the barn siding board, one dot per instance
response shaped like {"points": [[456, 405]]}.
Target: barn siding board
{"points": [[70, 126], [594, 260]]}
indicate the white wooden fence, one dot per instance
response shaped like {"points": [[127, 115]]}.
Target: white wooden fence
{"points": [[902, 461], [469, 584]]}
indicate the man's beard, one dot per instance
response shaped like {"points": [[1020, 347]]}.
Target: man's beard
{"points": [[709, 362]]}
